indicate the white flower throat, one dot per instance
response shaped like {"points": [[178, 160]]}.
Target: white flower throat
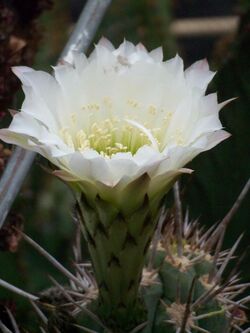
{"points": [[110, 135], [107, 137]]}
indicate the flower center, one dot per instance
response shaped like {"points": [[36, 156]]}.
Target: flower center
{"points": [[109, 137], [99, 127]]}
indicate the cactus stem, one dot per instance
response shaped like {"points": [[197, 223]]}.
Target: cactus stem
{"points": [[178, 290], [188, 306]]}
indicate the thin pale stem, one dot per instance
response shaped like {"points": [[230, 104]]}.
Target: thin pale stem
{"points": [[178, 219], [13, 322], [188, 307], [39, 312], [219, 232], [4, 328], [156, 239], [139, 327], [54, 262], [18, 291]]}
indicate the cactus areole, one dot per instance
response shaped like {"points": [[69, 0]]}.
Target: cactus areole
{"points": [[119, 127]]}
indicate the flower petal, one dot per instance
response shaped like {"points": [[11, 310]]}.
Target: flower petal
{"points": [[81, 119], [198, 75]]}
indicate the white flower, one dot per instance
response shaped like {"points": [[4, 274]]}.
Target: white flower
{"points": [[117, 116]]}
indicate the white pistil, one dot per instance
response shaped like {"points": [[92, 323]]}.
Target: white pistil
{"points": [[146, 132]]}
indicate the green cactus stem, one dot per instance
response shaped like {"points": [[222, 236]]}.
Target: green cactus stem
{"points": [[118, 243]]}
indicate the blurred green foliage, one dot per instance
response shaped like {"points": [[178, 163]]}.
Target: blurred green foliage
{"points": [[145, 21]]}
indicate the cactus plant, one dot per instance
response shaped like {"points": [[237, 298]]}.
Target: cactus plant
{"points": [[182, 288], [120, 150]]}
